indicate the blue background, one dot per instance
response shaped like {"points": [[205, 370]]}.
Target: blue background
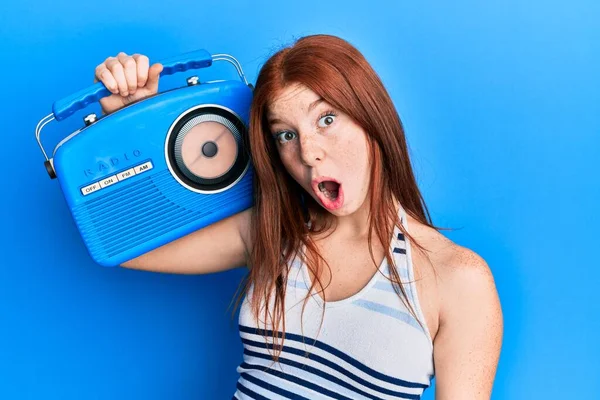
{"points": [[501, 105]]}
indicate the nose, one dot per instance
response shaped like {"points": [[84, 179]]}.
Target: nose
{"points": [[311, 150]]}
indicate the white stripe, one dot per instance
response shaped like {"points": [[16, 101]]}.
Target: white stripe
{"points": [[281, 383]]}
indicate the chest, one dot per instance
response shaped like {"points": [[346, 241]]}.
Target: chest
{"points": [[352, 267]]}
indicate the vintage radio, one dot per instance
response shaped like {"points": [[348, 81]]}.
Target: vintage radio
{"points": [[156, 169]]}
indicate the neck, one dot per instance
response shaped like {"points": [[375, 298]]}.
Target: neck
{"points": [[355, 225], [352, 226]]}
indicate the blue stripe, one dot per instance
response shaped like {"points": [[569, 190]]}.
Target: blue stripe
{"points": [[330, 364], [298, 284], [325, 375], [401, 236], [399, 250], [330, 349], [296, 380], [272, 388], [251, 393], [392, 312], [386, 286]]}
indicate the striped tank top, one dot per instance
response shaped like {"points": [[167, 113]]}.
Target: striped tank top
{"points": [[369, 346]]}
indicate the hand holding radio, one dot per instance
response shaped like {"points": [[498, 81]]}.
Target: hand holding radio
{"points": [[129, 78]]}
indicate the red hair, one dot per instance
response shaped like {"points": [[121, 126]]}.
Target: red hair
{"points": [[335, 70]]}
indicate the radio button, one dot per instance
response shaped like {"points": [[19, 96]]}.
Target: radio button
{"points": [[111, 180], [143, 167], [121, 176], [90, 188]]}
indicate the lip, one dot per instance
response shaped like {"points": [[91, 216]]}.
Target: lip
{"points": [[327, 203]]}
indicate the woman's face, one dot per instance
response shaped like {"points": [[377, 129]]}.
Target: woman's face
{"points": [[324, 150]]}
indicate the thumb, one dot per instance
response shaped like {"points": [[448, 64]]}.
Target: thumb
{"points": [[153, 76]]}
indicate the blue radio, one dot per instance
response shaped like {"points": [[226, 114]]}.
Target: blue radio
{"points": [[156, 169]]}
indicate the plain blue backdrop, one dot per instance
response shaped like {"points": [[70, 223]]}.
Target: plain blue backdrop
{"points": [[501, 105]]}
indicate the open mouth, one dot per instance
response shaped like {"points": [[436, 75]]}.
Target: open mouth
{"points": [[330, 189], [330, 193]]}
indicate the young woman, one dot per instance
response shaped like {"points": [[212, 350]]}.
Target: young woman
{"points": [[352, 292]]}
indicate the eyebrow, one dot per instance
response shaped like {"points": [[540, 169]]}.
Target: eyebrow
{"points": [[315, 103], [310, 108]]}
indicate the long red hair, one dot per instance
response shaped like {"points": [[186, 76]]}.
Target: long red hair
{"points": [[335, 70]]}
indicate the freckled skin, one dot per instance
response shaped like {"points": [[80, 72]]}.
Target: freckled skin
{"points": [[338, 150]]}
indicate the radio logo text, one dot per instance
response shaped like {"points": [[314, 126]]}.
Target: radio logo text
{"points": [[101, 167]]}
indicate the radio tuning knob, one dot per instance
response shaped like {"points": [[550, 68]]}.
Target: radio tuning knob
{"points": [[193, 80], [90, 119]]}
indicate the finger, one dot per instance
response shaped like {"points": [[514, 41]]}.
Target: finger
{"points": [[130, 71], [116, 68], [142, 69], [153, 77], [104, 75]]}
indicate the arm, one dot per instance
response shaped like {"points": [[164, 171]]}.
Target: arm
{"points": [[217, 247], [467, 346]]}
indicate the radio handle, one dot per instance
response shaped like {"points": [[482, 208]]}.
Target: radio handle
{"points": [[66, 106]]}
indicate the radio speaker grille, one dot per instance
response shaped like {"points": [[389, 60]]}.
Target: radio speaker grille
{"points": [[144, 210]]}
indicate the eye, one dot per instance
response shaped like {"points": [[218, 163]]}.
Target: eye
{"points": [[285, 136], [326, 119]]}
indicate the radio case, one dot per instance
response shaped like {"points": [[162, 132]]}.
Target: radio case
{"points": [[157, 169]]}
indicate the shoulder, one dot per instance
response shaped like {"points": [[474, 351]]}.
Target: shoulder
{"points": [[459, 279], [464, 280], [459, 271], [464, 269]]}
